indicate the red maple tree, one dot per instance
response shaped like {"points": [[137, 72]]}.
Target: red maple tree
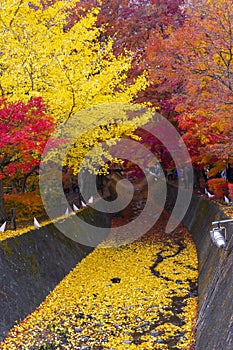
{"points": [[25, 129]]}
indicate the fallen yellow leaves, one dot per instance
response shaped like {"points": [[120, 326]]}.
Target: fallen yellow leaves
{"points": [[139, 296]]}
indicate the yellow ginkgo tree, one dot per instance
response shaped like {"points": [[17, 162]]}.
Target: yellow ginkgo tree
{"points": [[70, 68]]}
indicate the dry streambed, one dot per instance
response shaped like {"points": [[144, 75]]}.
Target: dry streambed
{"points": [[137, 296]]}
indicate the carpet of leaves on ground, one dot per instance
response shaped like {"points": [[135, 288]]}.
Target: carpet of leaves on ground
{"points": [[138, 296]]}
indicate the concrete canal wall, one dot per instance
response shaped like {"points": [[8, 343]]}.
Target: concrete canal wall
{"points": [[215, 289], [32, 264]]}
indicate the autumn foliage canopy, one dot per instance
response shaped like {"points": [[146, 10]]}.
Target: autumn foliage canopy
{"points": [[173, 55]]}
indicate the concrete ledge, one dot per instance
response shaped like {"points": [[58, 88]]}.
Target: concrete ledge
{"points": [[215, 325], [31, 266]]}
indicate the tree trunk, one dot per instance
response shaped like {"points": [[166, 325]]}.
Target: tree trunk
{"points": [[23, 187], [2, 203], [26, 176]]}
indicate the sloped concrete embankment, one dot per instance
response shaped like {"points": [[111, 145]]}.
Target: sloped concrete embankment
{"points": [[32, 264], [215, 290]]}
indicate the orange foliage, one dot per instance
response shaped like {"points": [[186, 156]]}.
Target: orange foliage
{"points": [[26, 205], [218, 186], [194, 62], [230, 189]]}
